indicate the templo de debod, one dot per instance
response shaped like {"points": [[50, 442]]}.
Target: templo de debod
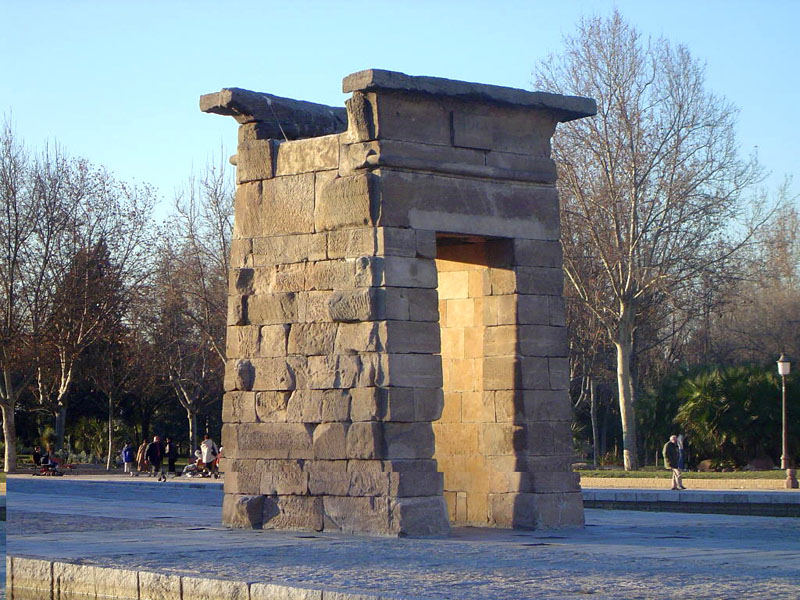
{"points": [[397, 353]]}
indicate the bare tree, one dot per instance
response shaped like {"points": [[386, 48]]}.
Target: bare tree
{"points": [[192, 289], [652, 188]]}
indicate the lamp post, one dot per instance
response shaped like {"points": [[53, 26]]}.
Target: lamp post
{"points": [[783, 370]]}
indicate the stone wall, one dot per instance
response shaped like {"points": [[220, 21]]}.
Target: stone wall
{"points": [[337, 337]]}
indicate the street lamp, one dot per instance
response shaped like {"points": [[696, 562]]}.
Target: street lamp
{"points": [[783, 370]]}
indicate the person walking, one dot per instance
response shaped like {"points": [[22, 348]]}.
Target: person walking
{"points": [[209, 452], [128, 456], [171, 452], [671, 461], [141, 458], [155, 456]]}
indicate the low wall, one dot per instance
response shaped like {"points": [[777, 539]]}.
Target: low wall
{"points": [[655, 483], [33, 579]]}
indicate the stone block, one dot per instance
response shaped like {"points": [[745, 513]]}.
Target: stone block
{"points": [[329, 441], [416, 483], [273, 309], [254, 159], [288, 278], [288, 205], [364, 404], [559, 373], [273, 440], [535, 374], [73, 580], [421, 516], [273, 374], [196, 588], [411, 337], [398, 271], [241, 252], [537, 253], [365, 336], [286, 249], [508, 129], [237, 310], [353, 305], [328, 483], [312, 339], [408, 440], [303, 513], [354, 242], [248, 208], [339, 371], [536, 511], [368, 483], [360, 117], [241, 281], [523, 167], [30, 574], [329, 275], [350, 201], [496, 208], [271, 591], [239, 375], [271, 407], [533, 309], [501, 310], [356, 515], [239, 407], [156, 586], [242, 341], [412, 118], [540, 280], [365, 440], [285, 481], [501, 340], [335, 405], [542, 340], [426, 243], [413, 370], [246, 481], [122, 584], [242, 512], [307, 155], [408, 304], [305, 406]]}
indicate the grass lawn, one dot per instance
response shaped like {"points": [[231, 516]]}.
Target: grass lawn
{"points": [[650, 472]]}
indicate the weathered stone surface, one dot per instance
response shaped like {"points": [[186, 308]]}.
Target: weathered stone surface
{"points": [[312, 339], [353, 305], [243, 512], [309, 155], [283, 249], [271, 591], [408, 440], [255, 160], [293, 512], [116, 583], [31, 574], [239, 407], [198, 588], [156, 586], [536, 511], [356, 515], [360, 117], [271, 406], [347, 202], [424, 516], [271, 440], [330, 441], [365, 440]]}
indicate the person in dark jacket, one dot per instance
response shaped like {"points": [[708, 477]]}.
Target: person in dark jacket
{"points": [[671, 461], [155, 456], [171, 452], [128, 456], [37, 456]]}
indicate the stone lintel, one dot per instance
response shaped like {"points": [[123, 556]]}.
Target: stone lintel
{"points": [[568, 108], [285, 118]]}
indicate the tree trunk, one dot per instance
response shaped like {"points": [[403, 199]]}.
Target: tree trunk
{"points": [[10, 437], [624, 345], [192, 415], [60, 425], [593, 414], [110, 431]]}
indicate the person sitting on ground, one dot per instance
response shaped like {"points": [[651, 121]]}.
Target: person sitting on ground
{"points": [[671, 461]]}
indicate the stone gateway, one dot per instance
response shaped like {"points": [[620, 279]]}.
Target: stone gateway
{"points": [[397, 355]]}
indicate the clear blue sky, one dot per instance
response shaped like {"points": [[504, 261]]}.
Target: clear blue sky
{"points": [[118, 82]]}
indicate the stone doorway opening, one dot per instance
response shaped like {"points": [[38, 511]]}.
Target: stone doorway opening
{"points": [[475, 276]]}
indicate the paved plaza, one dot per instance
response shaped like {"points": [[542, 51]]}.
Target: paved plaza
{"points": [[174, 528]]}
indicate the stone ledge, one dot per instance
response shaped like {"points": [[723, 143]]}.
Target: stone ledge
{"points": [[570, 107], [27, 579]]}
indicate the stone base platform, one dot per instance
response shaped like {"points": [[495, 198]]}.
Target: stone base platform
{"points": [[148, 541]]}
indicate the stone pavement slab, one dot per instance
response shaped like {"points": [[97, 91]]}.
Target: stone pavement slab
{"points": [[174, 529]]}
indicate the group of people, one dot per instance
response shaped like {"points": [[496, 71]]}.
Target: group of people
{"points": [[150, 458], [676, 456]]}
